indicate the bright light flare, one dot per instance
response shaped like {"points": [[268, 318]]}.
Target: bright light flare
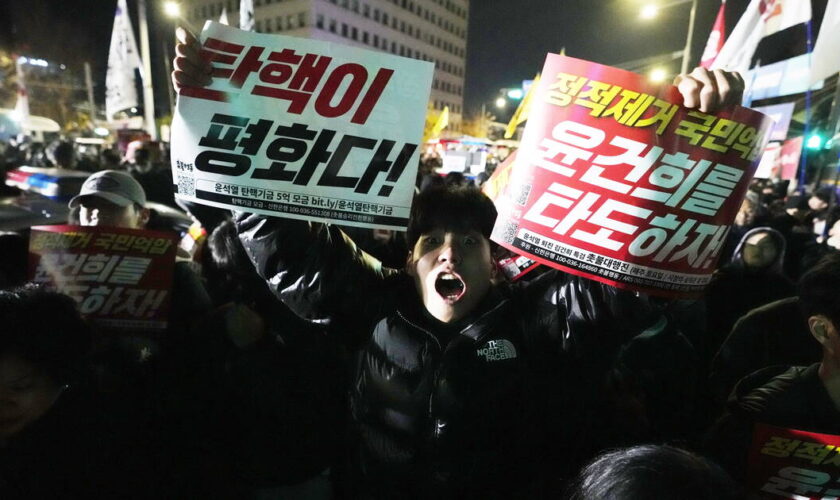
{"points": [[649, 11], [515, 93], [172, 9], [501, 102], [657, 75]]}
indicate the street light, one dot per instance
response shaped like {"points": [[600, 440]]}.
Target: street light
{"points": [[657, 75], [501, 102], [172, 9], [649, 11]]}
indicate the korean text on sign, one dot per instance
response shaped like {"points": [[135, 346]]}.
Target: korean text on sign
{"points": [[791, 463], [120, 278], [617, 182], [290, 119]]}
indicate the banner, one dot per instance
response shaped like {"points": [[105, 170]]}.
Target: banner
{"points": [[246, 15], [824, 60], [716, 37], [779, 79], [768, 166], [781, 115], [789, 157], [762, 18], [615, 181], [123, 59], [302, 128], [789, 463], [121, 278]]}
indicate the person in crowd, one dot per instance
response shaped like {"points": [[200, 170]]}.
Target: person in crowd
{"points": [[819, 203], [57, 438], [258, 367], [111, 198], [650, 471], [13, 255], [772, 334], [62, 154], [753, 277], [462, 388], [802, 397]]}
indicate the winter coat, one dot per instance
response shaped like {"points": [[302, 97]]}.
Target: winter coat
{"points": [[736, 289], [770, 335], [791, 397], [471, 409]]}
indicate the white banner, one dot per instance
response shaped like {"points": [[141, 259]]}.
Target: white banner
{"points": [[302, 128], [824, 60], [123, 59], [762, 18], [246, 15]]}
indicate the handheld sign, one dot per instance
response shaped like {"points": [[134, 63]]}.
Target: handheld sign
{"points": [[121, 278], [789, 463], [615, 181], [302, 128]]}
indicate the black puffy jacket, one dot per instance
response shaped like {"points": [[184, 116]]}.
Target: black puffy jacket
{"points": [[472, 409]]}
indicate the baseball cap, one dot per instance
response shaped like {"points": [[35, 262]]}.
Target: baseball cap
{"points": [[116, 187]]}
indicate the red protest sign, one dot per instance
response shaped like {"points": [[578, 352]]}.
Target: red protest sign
{"points": [[790, 463], [615, 181], [121, 278]]}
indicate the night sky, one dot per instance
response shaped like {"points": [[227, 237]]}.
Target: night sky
{"points": [[507, 41]]}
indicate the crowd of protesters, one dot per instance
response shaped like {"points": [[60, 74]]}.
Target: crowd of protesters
{"points": [[308, 361]]}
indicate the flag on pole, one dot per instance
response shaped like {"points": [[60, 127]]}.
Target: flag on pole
{"points": [[442, 122], [123, 59], [716, 37], [223, 18], [762, 18], [824, 60], [524, 109], [246, 15], [21, 112]]}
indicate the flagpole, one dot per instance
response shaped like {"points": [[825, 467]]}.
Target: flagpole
{"points": [[803, 158], [145, 53], [689, 37]]}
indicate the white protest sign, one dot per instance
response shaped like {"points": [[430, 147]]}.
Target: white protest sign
{"points": [[302, 128]]}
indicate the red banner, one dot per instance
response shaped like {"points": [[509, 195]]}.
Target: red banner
{"points": [[121, 278], [789, 463], [617, 182], [789, 157]]}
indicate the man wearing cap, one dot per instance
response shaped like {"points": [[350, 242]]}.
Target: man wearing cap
{"points": [[111, 198]]}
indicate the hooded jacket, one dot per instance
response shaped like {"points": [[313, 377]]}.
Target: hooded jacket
{"points": [[736, 289], [467, 409]]}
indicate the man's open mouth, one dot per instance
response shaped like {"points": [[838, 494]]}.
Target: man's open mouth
{"points": [[450, 287]]}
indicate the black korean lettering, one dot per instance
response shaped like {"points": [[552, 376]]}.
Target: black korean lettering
{"points": [[220, 162], [318, 154], [224, 131], [330, 176], [289, 148], [380, 163]]}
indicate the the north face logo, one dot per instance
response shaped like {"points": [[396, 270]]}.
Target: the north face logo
{"points": [[497, 350]]}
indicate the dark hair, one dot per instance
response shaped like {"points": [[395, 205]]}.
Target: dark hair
{"points": [[653, 471], [229, 273], [819, 289], [44, 328], [458, 209]]}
